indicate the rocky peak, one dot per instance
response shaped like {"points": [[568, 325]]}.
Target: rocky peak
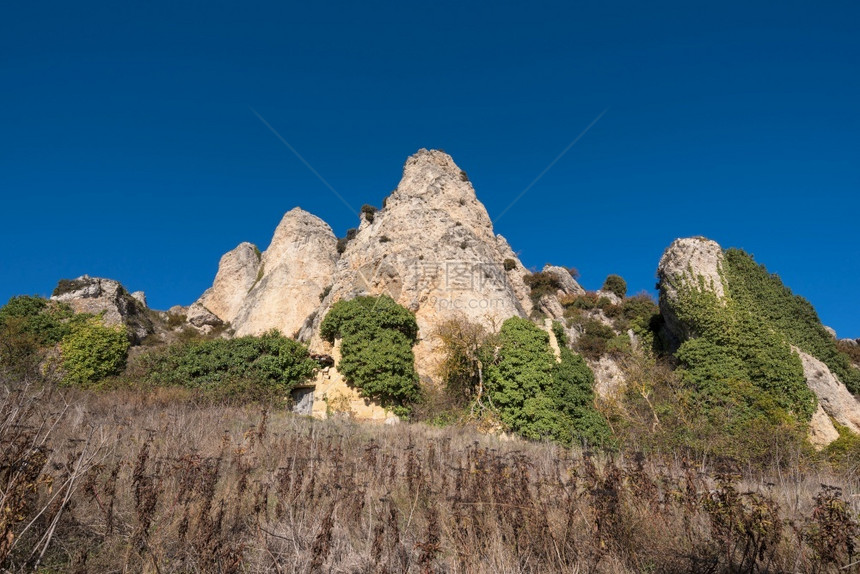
{"points": [[695, 262], [433, 250], [292, 275], [238, 270], [108, 298]]}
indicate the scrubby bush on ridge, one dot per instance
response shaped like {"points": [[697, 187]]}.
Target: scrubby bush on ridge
{"points": [[615, 284], [377, 336], [256, 368]]}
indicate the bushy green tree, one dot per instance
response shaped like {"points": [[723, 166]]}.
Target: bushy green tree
{"points": [[376, 349], [46, 321], [264, 367], [29, 324], [615, 284], [93, 351], [764, 295], [537, 397]]}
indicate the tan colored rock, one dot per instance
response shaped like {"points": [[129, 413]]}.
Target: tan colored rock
{"points": [[238, 271], [695, 262], [836, 400], [109, 298], [609, 379], [550, 307], [553, 340], [821, 429], [334, 397], [433, 250], [294, 271], [569, 286]]}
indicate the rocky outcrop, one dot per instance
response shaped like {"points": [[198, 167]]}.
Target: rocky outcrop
{"points": [[238, 271], [202, 318], [821, 429], [832, 395], [433, 250], [279, 288], [108, 298], [609, 378], [692, 262], [569, 286]]}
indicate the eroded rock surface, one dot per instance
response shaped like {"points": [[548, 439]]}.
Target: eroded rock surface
{"points": [[433, 250], [108, 298], [692, 262], [832, 395], [238, 271]]}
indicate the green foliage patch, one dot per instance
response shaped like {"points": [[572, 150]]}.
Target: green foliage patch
{"points": [[376, 349], [538, 398], [615, 284], [265, 367], [763, 294], [93, 351]]}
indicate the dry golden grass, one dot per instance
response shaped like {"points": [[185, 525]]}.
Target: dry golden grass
{"points": [[152, 482]]}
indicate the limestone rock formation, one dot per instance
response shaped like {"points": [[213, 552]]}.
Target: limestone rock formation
{"points": [[821, 429], [109, 298], [832, 395], [238, 271], [569, 286], [202, 318], [279, 288], [693, 261], [433, 250]]}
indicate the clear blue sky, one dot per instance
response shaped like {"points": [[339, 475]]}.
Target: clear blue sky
{"points": [[129, 149]]}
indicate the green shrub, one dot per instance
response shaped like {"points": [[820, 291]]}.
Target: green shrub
{"points": [[376, 349], [256, 368], [510, 264], [592, 343], [93, 351], [369, 212], [538, 398], [615, 284], [46, 321], [542, 283], [763, 294], [68, 286], [28, 325], [342, 242]]}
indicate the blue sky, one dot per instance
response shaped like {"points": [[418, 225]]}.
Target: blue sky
{"points": [[130, 150]]}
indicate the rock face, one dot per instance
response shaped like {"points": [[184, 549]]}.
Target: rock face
{"points": [[569, 286], [692, 261], [821, 429], [109, 298], [279, 288], [237, 272], [433, 250], [832, 395]]}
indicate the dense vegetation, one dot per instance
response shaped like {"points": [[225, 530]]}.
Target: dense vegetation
{"points": [[376, 349], [89, 350], [257, 368], [615, 284], [93, 351], [763, 294], [535, 396]]}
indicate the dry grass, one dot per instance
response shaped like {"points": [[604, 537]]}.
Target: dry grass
{"points": [[136, 482]]}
